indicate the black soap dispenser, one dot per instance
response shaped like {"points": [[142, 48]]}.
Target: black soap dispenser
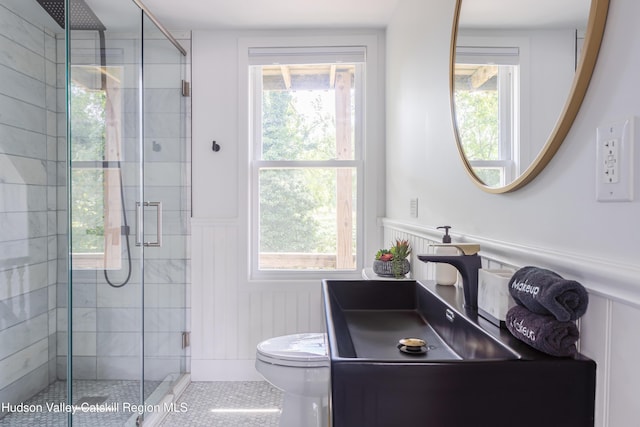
{"points": [[446, 274]]}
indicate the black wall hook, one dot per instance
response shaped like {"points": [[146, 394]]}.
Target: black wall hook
{"points": [[215, 147]]}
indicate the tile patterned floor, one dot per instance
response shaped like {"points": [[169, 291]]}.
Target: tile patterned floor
{"points": [[228, 404], [210, 404], [107, 393]]}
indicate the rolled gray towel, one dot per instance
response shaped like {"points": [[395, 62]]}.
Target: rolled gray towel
{"points": [[546, 292], [544, 333]]}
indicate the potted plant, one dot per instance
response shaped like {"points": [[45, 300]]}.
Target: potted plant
{"points": [[393, 262]]}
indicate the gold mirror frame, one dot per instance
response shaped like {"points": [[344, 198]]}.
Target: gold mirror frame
{"points": [[593, 38]]}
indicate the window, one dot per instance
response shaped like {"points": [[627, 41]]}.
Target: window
{"points": [[487, 113], [306, 157], [96, 210]]}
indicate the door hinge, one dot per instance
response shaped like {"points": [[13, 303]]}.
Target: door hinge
{"points": [[186, 339], [186, 88]]}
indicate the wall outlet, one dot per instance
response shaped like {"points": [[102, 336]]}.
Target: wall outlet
{"points": [[615, 161]]}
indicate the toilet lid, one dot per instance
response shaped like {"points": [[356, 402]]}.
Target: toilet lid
{"points": [[295, 350]]}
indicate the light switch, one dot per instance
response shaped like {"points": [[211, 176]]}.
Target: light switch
{"points": [[413, 208], [615, 161]]}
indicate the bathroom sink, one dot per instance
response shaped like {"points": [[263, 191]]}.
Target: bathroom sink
{"points": [[470, 372]]}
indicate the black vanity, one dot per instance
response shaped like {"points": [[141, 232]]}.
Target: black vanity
{"points": [[470, 373]]}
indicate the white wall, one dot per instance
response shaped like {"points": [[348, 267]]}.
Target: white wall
{"points": [[231, 312], [555, 220], [558, 210]]}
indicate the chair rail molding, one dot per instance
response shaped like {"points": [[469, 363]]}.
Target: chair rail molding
{"points": [[603, 277]]}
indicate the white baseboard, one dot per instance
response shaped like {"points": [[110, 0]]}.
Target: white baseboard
{"points": [[224, 370]]}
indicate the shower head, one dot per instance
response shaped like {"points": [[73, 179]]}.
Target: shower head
{"points": [[81, 17]]}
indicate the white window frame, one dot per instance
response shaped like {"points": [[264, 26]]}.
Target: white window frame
{"points": [[304, 55], [508, 85], [371, 156], [496, 49]]}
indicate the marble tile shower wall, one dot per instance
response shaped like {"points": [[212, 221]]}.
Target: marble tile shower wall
{"points": [[33, 261], [107, 321], [29, 181]]}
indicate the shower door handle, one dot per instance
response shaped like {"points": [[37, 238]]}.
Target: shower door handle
{"points": [[139, 231]]}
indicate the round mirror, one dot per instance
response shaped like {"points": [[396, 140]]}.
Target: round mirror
{"points": [[519, 72]]}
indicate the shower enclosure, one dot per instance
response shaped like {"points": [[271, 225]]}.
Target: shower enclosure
{"points": [[94, 212]]}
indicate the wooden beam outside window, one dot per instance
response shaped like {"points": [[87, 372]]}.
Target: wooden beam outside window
{"points": [[482, 75], [344, 196], [286, 76]]}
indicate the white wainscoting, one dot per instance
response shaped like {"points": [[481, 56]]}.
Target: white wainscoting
{"points": [[230, 314], [608, 331]]}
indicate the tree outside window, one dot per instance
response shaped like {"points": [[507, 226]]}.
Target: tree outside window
{"points": [[306, 167], [95, 175]]}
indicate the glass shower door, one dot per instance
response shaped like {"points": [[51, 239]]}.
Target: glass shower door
{"points": [[129, 209], [105, 320], [165, 208]]}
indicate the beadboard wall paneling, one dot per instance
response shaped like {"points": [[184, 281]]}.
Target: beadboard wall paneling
{"points": [[214, 275], [231, 315]]}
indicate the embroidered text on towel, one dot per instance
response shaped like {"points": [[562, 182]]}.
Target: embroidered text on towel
{"points": [[525, 287], [526, 332]]}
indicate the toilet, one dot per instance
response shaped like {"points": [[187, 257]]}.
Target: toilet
{"points": [[299, 366]]}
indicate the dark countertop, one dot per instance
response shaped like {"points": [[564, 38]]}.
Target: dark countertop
{"points": [[452, 296]]}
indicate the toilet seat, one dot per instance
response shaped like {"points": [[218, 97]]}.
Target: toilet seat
{"points": [[307, 350]]}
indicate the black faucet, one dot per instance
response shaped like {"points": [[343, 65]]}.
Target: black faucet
{"points": [[468, 266]]}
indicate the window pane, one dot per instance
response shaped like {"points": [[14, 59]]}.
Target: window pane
{"points": [[308, 112], [485, 113], [307, 218], [492, 177], [477, 111], [88, 121], [95, 116], [87, 215]]}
